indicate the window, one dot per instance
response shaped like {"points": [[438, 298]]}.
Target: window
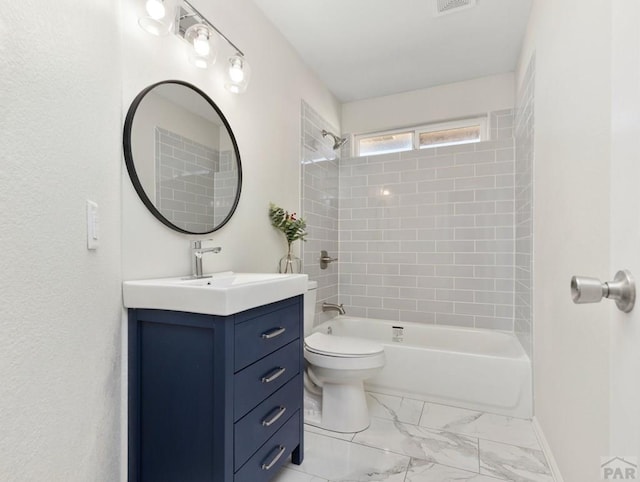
{"points": [[449, 137], [424, 137], [381, 144]]}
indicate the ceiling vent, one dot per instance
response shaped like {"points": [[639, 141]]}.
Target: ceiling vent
{"points": [[445, 7]]}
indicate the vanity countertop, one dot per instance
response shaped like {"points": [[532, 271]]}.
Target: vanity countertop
{"points": [[220, 294]]}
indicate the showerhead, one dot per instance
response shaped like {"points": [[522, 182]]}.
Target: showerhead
{"points": [[338, 142]]}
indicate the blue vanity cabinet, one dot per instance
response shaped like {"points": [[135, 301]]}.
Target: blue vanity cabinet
{"points": [[215, 398]]}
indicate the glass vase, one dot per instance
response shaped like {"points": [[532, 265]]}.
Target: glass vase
{"points": [[290, 263]]}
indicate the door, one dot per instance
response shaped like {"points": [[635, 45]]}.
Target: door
{"points": [[625, 226]]}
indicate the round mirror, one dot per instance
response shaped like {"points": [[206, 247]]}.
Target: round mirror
{"points": [[182, 157]]}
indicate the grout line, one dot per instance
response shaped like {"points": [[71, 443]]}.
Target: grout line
{"points": [[438, 429]]}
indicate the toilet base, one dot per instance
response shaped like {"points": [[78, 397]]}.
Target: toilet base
{"points": [[312, 408], [344, 408]]}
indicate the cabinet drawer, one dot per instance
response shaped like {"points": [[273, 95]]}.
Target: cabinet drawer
{"points": [[260, 380], [266, 462], [251, 431], [260, 336]]}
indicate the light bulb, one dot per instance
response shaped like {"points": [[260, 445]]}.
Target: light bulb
{"points": [[236, 71], [201, 44], [155, 9], [239, 72]]}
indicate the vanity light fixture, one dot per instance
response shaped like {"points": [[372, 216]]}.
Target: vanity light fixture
{"points": [[204, 45], [201, 35], [156, 9], [239, 72], [160, 16]]}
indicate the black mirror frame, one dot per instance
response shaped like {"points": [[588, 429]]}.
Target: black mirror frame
{"points": [[133, 175]]}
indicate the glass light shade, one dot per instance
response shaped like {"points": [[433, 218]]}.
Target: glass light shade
{"points": [[239, 73], [156, 9], [161, 15], [203, 43], [236, 72]]}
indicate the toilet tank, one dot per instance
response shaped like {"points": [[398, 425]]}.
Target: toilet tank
{"points": [[310, 306]]}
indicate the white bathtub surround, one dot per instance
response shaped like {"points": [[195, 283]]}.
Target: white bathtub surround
{"points": [[492, 372], [427, 454]]}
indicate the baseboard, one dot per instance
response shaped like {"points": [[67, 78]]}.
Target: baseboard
{"points": [[555, 471]]}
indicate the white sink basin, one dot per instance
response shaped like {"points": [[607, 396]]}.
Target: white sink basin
{"points": [[221, 294]]}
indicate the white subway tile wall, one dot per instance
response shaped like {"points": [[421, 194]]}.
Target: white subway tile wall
{"points": [[225, 182], [524, 132], [186, 181], [426, 235]]}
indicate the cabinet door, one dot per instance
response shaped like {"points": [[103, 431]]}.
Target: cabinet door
{"points": [[266, 462], [252, 430], [258, 381], [176, 397], [260, 336]]}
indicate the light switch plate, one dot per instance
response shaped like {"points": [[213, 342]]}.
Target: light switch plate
{"points": [[92, 225]]}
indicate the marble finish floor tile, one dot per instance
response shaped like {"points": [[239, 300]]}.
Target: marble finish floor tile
{"points": [[435, 446], [328, 433], [290, 475], [487, 426], [394, 408], [341, 461], [423, 471], [415, 441], [513, 463]]}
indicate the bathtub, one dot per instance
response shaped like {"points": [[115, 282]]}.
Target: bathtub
{"points": [[470, 368]]}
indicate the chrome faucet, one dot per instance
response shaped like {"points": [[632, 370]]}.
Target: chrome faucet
{"points": [[333, 307], [196, 259]]}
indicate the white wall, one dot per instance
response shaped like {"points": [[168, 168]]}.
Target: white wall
{"points": [[571, 227], [63, 81], [625, 228], [265, 121], [266, 124], [444, 102], [60, 305]]}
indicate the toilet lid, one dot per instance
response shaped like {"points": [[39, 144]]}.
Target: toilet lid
{"points": [[345, 346]]}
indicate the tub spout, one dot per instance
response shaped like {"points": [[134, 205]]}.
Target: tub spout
{"points": [[333, 307]]}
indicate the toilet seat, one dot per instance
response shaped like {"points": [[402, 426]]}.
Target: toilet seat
{"points": [[341, 346]]}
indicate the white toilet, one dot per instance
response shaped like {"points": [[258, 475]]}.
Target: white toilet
{"points": [[336, 368]]}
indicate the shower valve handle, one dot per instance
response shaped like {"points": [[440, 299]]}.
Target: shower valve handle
{"points": [[325, 259], [591, 290]]}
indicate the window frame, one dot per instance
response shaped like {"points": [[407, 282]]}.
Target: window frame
{"points": [[482, 121]]}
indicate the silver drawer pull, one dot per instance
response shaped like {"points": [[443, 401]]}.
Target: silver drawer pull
{"points": [[274, 419], [273, 375], [267, 335], [275, 459]]}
